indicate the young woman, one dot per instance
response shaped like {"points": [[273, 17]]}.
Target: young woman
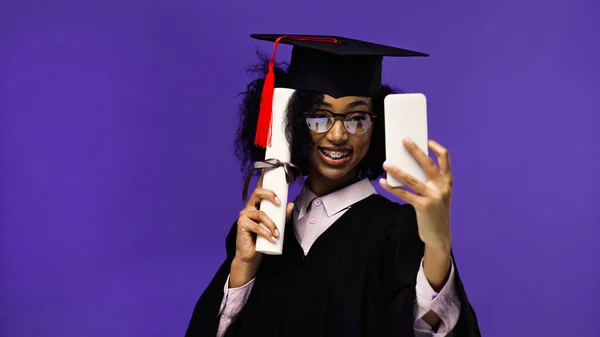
{"points": [[354, 263]]}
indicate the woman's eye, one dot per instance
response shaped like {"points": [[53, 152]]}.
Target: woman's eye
{"points": [[358, 116], [319, 114]]}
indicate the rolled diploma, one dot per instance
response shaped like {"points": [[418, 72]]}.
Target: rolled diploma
{"points": [[274, 179]]}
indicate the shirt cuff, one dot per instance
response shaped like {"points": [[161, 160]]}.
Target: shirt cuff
{"points": [[445, 304], [234, 299]]}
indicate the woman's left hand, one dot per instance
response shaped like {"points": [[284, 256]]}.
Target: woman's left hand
{"points": [[431, 199]]}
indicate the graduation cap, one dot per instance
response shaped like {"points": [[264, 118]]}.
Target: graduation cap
{"points": [[331, 65]]}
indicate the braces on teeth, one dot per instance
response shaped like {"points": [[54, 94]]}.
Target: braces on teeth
{"points": [[336, 154]]}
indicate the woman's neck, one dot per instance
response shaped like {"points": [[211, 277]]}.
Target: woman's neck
{"points": [[322, 186]]}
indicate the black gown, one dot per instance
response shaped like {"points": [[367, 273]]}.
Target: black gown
{"points": [[358, 279]]}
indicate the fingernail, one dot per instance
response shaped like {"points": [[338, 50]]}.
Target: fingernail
{"points": [[408, 140], [382, 181], [386, 165], [273, 239], [277, 200], [276, 232]]}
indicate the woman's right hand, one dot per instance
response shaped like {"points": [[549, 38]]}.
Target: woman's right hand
{"points": [[248, 227]]}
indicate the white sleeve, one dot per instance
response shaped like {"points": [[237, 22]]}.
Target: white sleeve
{"points": [[445, 304], [234, 300]]}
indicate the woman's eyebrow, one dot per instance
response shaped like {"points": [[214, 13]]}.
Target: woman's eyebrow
{"points": [[357, 104]]}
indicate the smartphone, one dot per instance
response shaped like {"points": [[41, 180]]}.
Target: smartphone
{"points": [[405, 117]]}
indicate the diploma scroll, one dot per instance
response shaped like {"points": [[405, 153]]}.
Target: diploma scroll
{"points": [[276, 179]]}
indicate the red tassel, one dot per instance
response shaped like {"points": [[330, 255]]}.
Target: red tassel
{"points": [[263, 128]]}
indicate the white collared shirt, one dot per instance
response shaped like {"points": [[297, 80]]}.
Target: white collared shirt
{"points": [[310, 223]]}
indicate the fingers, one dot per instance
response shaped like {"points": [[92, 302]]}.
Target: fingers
{"points": [[251, 220], [406, 179], [262, 194], [401, 193], [431, 170], [443, 159]]}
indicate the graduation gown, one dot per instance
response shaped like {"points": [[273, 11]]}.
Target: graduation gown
{"points": [[358, 279]]}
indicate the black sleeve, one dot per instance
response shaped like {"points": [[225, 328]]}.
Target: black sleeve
{"points": [[404, 253], [205, 320], [467, 323]]}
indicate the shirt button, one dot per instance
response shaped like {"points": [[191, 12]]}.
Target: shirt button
{"points": [[318, 202], [313, 221]]}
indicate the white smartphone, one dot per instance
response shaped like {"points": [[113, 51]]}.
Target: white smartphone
{"points": [[405, 117]]}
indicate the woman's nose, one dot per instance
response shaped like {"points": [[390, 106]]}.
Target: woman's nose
{"points": [[338, 132]]}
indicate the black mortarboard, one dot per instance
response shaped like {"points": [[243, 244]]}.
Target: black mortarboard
{"points": [[331, 65]]}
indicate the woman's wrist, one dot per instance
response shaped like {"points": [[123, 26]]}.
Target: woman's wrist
{"points": [[242, 272]]}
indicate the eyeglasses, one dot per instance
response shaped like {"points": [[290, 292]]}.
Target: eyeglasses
{"points": [[321, 121]]}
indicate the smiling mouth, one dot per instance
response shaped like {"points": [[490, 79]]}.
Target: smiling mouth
{"points": [[335, 156]]}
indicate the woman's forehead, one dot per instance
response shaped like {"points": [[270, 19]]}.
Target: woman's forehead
{"points": [[345, 100]]}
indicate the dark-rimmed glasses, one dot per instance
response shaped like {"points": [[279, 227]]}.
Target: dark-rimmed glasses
{"points": [[356, 123]]}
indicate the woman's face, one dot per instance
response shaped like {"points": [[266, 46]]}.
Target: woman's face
{"points": [[337, 152]]}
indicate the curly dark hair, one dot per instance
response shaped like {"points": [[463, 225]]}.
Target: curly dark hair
{"points": [[302, 146]]}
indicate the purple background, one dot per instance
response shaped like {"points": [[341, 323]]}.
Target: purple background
{"points": [[118, 182]]}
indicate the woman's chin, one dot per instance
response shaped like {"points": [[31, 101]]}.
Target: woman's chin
{"points": [[334, 174]]}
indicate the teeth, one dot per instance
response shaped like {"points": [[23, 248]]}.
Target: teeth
{"points": [[336, 154]]}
